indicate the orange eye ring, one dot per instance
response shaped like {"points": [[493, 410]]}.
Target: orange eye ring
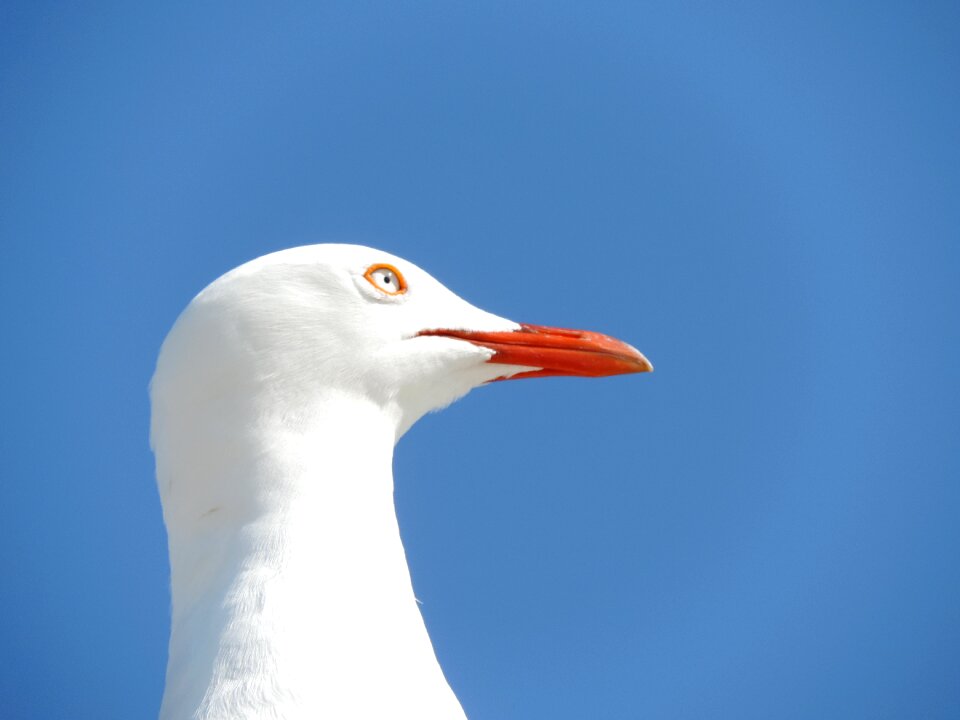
{"points": [[386, 278]]}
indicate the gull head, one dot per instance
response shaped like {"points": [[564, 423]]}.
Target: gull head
{"points": [[303, 324], [311, 341]]}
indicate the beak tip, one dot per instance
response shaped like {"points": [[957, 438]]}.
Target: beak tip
{"points": [[643, 365]]}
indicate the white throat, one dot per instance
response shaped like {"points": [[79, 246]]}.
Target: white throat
{"points": [[293, 599]]}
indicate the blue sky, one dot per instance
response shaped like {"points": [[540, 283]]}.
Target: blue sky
{"points": [[762, 197]]}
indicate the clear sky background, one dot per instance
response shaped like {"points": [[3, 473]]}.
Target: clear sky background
{"points": [[763, 197]]}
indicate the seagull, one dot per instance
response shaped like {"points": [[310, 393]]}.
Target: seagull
{"points": [[277, 400]]}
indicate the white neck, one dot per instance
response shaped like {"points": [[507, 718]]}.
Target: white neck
{"points": [[293, 599]]}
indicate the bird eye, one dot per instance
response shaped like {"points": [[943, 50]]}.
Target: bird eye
{"points": [[386, 278]]}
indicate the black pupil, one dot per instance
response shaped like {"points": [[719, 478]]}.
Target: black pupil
{"points": [[386, 279]]}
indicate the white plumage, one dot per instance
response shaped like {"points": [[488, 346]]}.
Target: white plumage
{"points": [[277, 400]]}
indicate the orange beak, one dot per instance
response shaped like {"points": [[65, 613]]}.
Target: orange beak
{"points": [[555, 351]]}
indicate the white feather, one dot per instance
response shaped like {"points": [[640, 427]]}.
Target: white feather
{"points": [[277, 399]]}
